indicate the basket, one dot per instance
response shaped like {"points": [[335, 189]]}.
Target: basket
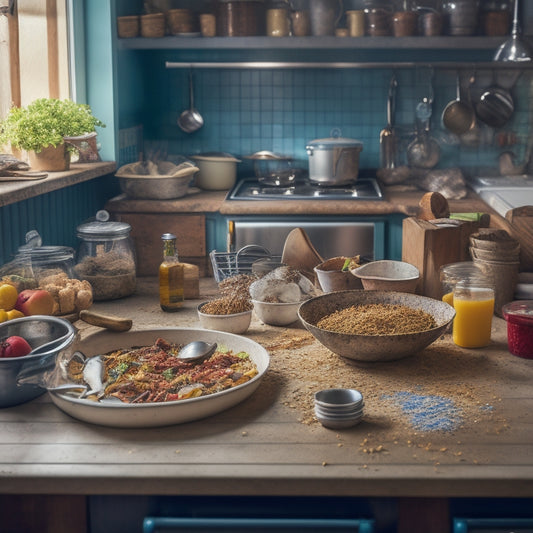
{"points": [[228, 264], [153, 25], [128, 27], [181, 21]]}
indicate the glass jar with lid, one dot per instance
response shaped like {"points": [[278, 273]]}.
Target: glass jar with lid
{"points": [[106, 257], [35, 264]]}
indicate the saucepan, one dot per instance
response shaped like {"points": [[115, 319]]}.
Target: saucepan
{"points": [[334, 160], [273, 169]]}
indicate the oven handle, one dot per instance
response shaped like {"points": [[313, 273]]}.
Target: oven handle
{"points": [[230, 243]]}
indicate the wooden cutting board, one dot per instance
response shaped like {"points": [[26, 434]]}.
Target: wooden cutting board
{"points": [[429, 246], [521, 228]]}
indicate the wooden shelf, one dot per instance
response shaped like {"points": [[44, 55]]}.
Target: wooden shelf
{"points": [[22, 189]]}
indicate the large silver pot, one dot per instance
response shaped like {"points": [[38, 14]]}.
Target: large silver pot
{"points": [[334, 160]]}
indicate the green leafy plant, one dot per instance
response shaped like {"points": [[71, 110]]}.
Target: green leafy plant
{"points": [[45, 122]]}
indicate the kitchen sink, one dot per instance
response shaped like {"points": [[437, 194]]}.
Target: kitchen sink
{"points": [[503, 193]]}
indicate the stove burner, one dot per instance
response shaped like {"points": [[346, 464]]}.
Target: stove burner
{"points": [[250, 189]]}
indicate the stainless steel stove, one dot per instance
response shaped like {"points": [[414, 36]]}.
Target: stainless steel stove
{"points": [[250, 189]]}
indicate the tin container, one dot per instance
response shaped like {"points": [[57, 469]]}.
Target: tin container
{"points": [[240, 18]]}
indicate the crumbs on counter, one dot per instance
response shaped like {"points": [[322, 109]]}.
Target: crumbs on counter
{"points": [[434, 391]]}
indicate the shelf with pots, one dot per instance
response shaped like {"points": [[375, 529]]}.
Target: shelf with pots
{"points": [[336, 52]]}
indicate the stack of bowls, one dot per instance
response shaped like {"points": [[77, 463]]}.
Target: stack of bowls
{"points": [[498, 255], [339, 408]]}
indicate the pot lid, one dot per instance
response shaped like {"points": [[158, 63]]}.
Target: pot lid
{"points": [[268, 156], [102, 228], [215, 156], [335, 141]]}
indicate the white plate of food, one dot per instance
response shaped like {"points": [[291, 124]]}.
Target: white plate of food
{"points": [[111, 411]]}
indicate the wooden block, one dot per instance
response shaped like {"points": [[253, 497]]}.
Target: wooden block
{"points": [[429, 246], [521, 221], [192, 282], [146, 231]]}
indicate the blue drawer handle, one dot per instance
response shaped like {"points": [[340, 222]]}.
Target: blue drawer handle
{"points": [[153, 524], [464, 525]]}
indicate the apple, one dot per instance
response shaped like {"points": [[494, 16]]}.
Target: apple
{"points": [[35, 302], [14, 346]]}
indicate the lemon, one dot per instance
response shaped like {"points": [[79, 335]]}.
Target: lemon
{"points": [[14, 313], [3, 315], [8, 296]]}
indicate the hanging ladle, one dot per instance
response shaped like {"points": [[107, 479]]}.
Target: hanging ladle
{"points": [[190, 120], [514, 49]]}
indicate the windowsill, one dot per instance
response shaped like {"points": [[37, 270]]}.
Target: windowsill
{"points": [[23, 189]]}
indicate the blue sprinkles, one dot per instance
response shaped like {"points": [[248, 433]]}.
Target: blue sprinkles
{"points": [[428, 413]]}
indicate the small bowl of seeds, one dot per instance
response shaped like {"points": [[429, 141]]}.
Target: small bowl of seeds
{"points": [[232, 315]]}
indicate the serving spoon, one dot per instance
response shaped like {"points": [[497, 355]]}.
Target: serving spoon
{"points": [[197, 351]]}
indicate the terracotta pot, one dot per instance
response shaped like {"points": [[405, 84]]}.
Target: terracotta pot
{"points": [[50, 159]]}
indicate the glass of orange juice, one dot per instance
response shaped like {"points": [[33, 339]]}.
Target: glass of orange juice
{"points": [[474, 308]]}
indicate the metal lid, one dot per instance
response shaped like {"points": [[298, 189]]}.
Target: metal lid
{"points": [[45, 254], [102, 228], [335, 141], [268, 156]]}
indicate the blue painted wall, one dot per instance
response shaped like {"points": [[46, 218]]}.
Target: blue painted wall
{"points": [[244, 111]]}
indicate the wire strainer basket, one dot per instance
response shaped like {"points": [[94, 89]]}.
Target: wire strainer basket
{"points": [[227, 264]]}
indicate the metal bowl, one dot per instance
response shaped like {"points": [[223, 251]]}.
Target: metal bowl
{"points": [[374, 347], [47, 335]]}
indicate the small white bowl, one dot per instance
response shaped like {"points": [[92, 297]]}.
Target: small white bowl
{"points": [[236, 323], [387, 275], [276, 314]]}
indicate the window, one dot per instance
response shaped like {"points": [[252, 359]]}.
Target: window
{"points": [[33, 51]]}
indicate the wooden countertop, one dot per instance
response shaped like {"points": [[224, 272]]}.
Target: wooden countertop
{"points": [[271, 445], [397, 199]]}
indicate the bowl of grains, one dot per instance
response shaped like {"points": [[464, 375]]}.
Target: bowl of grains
{"points": [[232, 315], [375, 325]]}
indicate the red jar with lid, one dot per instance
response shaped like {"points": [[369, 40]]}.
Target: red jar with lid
{"points": [[519, 317]]}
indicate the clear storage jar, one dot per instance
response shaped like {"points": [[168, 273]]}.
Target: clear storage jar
{"points": [[34, 263], [106, 257], [466, 271]]}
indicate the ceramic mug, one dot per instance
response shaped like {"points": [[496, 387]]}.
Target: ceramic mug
{"points": [[278, 22]]}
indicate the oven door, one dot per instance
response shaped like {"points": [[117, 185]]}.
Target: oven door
{"points": [[331, 238]]}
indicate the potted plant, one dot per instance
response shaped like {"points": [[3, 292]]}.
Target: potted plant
{"points": [[40, 129]]}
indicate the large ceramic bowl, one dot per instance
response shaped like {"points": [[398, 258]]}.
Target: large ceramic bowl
{"points": [[161, 413], [374, 347]]}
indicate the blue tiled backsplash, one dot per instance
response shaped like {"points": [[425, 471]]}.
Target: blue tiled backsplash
{"points": [[281, 110]]}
